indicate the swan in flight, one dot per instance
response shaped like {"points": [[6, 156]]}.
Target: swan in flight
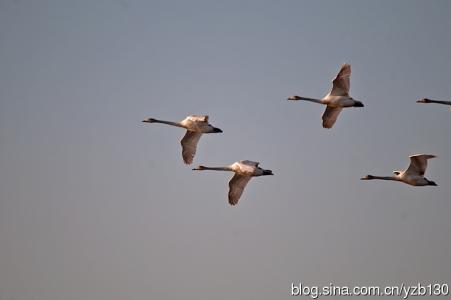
{"points": [[414, 175], [244, 171], [195, 126], [426, 100], [336, 99]]}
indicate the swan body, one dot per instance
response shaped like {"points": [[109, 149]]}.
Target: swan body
{"points": [[414, 175], [337, 99], [244, 170], [195, 126]]}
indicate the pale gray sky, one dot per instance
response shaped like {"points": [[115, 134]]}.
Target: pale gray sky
{"points": [[96, 205]]}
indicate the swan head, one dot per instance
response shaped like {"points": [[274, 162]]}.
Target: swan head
{"points": [[294, 98], [149, 120], [199, 168], [367, 177], [424, 100], [267, 172], [358, 103]]}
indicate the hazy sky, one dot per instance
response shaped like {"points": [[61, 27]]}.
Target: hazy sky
{"points": [[96, 205]]}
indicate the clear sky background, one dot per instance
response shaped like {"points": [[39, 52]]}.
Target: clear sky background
{"points": [[96, 205]]}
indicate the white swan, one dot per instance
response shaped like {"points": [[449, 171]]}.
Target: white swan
{"points": [[426, 100], [244, 171], [195, 126], [414, 175], [337, 99]]}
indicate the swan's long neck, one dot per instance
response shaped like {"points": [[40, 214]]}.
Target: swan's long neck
{"points": [[440, 102], [168, 123], [311, 100], [215, 168], [384, 178]]}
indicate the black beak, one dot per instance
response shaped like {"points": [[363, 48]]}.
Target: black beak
{"points": [[267, 172], [358, 104], [215, 130]]}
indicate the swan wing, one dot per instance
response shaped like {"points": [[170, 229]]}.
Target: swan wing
{"points": [[198, 118], [249, 163], [330, 116], [189, 145], [418, 164], [341, 83], [236, 187]]}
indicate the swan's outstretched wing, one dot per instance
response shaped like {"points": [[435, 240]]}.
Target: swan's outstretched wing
{"points": [[330, 116], [189, 144], [236, 187], [341, 83], [418, 164]]}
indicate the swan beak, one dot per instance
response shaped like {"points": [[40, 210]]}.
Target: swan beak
{"points": [[424, 100], [358, 104], [216, 130], [268, 172], [149, 120]]}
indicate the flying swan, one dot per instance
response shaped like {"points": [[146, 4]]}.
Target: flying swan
{"points": [[244, 171], [336, 99], [195, 126], [414, 175]]}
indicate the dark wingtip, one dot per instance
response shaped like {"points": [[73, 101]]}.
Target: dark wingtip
{"points": [[232, 203]]}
